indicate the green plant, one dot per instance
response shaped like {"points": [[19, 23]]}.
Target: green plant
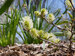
{"points": [[67, 30], [37, 23], [26, 36], [8, 34], [35, 32], [32, 25]]}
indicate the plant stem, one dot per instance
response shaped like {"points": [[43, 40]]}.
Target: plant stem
{"points": [[41, 22], [70, 46], [72, 29], [55, 25], [71, 3], [57, 45], [59, 18], [73, 13]]}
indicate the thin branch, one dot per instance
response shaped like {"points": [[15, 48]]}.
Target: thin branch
{"points": [[70, 46], [71, 3], [58, 45], [56, 25]]}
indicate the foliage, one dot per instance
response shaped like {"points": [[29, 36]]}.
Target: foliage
{"points": [[35, 24], [5, 6], [8, 34], [42, 15]]}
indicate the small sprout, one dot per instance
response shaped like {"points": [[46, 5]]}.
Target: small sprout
{"points": [[68, 4], [43, 12], [40, 33], [47, 35], [37, 13], [27, 23], [50, 17], [34, 33]]}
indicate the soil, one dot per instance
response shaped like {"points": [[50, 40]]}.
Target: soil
{"points": [[34, 50]]}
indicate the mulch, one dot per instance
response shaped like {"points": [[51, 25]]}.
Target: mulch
{"points": [[33, 50]]}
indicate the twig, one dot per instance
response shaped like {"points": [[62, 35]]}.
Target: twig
{"points": [[56, 25], [71, 3], [70, 46], [58, 45]]}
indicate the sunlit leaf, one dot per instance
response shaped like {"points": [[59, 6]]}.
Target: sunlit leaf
{"points": [[59, 33], [63, 22], [70, 15]]}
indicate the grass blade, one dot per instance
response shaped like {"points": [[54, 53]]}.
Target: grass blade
{"points": [[5, 6]]}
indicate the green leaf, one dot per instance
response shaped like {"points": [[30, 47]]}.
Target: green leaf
{"points": [[0, 41], [20, 36], [59, 18], [39, 6], [70, 15], [41, 23], [57, 12], [63, 22], [58, 33], [5, 6], [23, 33], [8, 16], [45, 26]]}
